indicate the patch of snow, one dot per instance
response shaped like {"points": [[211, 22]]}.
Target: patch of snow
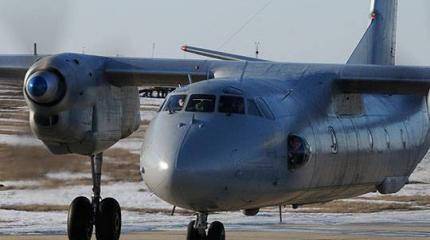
{"points": [[151, 101], [374, 201], [13, 120], [147, 115], [19, 140], [71, 176], [21, 183], [128, 194], [19, 222], [415, 189], [422, 172], [134, 145]]}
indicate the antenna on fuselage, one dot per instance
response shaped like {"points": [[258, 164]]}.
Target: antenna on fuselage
{"points": [[153, 50], [257, 49], [35, 49]]}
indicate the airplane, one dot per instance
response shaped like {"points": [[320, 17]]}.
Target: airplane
{"points": [[237, 133]]}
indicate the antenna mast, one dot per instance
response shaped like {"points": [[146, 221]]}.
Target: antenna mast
{"points": [[35, 49], [153, 50], [257, 49]]}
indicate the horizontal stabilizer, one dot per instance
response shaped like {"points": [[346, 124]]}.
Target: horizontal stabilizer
{"points": [[218, 55], [391, 80]]}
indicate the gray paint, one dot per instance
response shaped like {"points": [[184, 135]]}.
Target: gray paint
{"points": [[214, 162]]}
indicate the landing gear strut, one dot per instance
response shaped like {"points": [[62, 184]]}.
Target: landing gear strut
{"points": [[197, 229], [104, 214]]}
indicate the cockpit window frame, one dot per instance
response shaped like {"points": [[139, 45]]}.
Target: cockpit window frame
{"points": [[213, 97], [264, 108], [165, 106], [238, 112], [248, 104]]}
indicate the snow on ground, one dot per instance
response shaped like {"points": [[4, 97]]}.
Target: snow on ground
{"points": [[156, 102], [422, 172], [131, 144], [13, 120], [135, 195], [17, 222], [147, 116], [71, 176], [128, 194], [22, 183], [19, 140]]}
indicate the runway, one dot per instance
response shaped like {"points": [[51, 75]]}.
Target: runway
{"points": [[34, 201], [291, 232]]}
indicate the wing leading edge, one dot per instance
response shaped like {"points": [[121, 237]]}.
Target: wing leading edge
{"points": [[14, 67], [156, 72]]}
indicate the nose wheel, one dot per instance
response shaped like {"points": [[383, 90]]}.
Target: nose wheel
{"points": [[104, 214], [197, 229]]}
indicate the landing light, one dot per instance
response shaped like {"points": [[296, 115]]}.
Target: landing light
{"points": [[163, 165]]}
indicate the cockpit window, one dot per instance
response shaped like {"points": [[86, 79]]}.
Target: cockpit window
{"points": [[253, 109], [264, 108], [201, 103], [231, 104], [175, 103]]}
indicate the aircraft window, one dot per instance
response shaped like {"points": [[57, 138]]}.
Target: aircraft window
{"points": [[264, 108], [231, 104], [333, 140], [387, 138], [402, 136], [298, 152], [253, 109], [175, 103], [201, 103], [370, 139]]}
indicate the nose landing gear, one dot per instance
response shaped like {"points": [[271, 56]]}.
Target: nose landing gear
{"points": [[104, 214], [197, 229]]}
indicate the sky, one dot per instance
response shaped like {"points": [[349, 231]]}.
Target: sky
{"points": [[287, 30]]}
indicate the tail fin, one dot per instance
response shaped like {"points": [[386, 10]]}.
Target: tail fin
{"points": [[378, 45]]}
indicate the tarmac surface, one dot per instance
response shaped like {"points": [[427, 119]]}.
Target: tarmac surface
{"points": [[293, 232]]}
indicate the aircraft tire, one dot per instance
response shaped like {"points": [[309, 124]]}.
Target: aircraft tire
{"points": [[216, 231], [79, 226], [193, 233], [108, 221]]}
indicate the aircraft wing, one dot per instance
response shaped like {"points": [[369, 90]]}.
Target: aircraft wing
{"points": [[14, 67], [155, 72], [122, 71]]}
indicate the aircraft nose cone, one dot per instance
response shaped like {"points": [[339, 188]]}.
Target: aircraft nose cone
{"points": [[37, 86], [158, 158]]}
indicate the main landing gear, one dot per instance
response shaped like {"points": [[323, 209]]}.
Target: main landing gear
{"points": [[197, 229], [104, 214]]}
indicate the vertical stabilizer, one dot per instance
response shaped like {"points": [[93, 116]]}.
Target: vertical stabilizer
{"points": [[378, 45]]}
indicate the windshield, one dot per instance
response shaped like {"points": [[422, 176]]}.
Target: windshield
{"points": [[201, 103], [175, 103], [231, 104]]}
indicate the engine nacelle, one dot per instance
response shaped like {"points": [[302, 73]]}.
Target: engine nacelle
{"points": [[73, 109]]}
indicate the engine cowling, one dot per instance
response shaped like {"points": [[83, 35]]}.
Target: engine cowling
{"points": [[73, 109]]}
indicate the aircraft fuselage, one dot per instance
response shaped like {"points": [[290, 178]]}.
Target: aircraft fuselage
{"points": [[357, 142]]}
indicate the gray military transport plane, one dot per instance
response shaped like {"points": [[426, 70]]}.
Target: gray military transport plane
{"points": [[238, 133]]}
